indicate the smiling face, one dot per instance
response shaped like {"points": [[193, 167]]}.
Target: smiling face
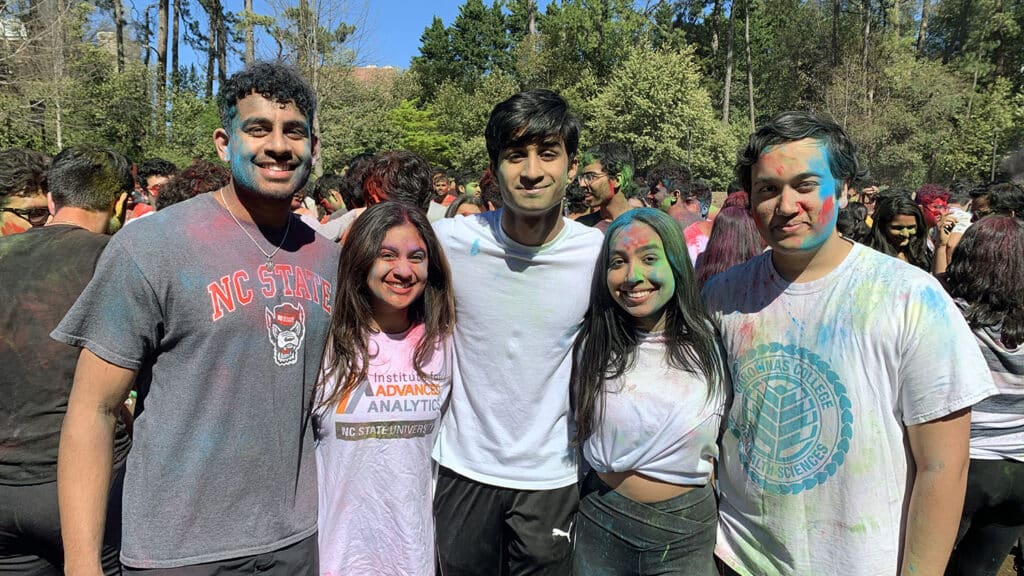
{"points": [[639, 276], [795, 199], [270, 148], [901, 230], [596, 184], [398, 276], [533, 177]]}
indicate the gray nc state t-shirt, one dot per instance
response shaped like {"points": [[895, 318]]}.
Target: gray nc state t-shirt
{"points": [[227, 351]]}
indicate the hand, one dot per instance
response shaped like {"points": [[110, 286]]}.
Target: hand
{"points": [[944, 227]]}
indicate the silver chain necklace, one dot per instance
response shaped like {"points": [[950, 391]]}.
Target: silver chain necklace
{"points": [[269, 255]]}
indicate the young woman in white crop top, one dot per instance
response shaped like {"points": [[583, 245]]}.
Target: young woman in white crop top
{"points": [[649, 385], [386, 375]]}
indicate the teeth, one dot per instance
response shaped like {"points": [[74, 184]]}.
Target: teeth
{"points": [[637, 294]]}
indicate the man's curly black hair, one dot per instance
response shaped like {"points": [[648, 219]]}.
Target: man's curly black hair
{"points": [[274, 81]]}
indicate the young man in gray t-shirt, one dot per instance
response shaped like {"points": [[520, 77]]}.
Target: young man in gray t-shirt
{"points": [[217, 310]]}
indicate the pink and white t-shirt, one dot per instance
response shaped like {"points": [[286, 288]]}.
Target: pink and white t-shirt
{"points": [[374, 465]]}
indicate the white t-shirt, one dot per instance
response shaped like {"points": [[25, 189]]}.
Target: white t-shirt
{"points": [[658, 420], [519, 308], [374, 467], [826, 376]]}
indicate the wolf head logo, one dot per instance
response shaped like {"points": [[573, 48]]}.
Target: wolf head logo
{"points": [[286, 327]]}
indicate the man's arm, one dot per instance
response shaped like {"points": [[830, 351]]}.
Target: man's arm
{"points": [[85, 458], [940, 450]]}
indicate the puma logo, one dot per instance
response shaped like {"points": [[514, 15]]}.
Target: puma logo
{"points": [[556, 533]]}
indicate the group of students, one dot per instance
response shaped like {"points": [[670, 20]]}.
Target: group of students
{"points": [[512, 392]]}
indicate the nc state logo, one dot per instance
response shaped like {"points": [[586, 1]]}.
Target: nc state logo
{"points": [[286, 327]]}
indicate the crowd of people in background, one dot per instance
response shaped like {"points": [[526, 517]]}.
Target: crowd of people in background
{"points": [[560, 364]]}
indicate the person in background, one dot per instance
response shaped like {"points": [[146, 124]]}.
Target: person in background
{"points": [[669, 185], [197, 178], [985, 277], [490, 193], [734, 240], [42, 272], [444, 194], [852, 222], [396, 175], [22, 190], [649, 387], [576, 205], [1007, 198], [465, 205], [330, 201], [393, 317], [150, 176], [606, 175], [900, 231]]}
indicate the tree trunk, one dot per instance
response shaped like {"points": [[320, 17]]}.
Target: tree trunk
{"points": [[222, 45], [750, 69], [147, 35], [161, 60], [727, 90], [175, 43], [864, 55], [923, 30], [836, 9], [119, 34], [715, 12], [532, 17], [211, 55], [250, 38]]}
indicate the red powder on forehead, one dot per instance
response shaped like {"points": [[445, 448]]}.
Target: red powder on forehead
{"points": [[635, 235]]}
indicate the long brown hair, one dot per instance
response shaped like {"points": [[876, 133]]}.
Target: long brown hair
{"points": [[347, 349]]}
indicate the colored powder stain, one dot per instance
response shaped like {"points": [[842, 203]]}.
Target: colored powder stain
{"points": [[827, 208], [475, 248], [933, 300]]}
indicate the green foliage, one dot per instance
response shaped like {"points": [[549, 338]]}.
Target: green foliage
{"points": [[419, 132], [655, 103]]}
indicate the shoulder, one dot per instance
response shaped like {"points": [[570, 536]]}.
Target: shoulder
{"points": [[578, 233]]}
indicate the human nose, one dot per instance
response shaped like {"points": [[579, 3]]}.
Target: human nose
{"points": [[788, 204], [277, 142], [532, 167]]}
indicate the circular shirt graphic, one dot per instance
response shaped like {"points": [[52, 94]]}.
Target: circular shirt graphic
{"points": [[793, 421]]}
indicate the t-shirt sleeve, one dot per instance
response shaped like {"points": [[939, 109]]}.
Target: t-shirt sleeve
{"points": [[941, 368], [118, 316]]}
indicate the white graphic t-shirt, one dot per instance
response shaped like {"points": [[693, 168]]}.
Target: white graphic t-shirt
{"points": [[826, 376], [374, 465]]}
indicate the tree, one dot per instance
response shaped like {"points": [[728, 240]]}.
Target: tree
{"points": [[656, 103]]}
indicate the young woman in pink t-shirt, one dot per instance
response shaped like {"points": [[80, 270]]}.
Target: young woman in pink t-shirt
{"points": [[386, 375]]}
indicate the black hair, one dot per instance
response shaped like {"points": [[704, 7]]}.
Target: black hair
{"points": [[987, 272], [22, 172], [576, 199], [401, 176], [888, 208], [852, 222], [617, 161], [671, 174], [453, 208], [274, 81], [1006, 198], [490, 192], [89, 177], [531, 117], [793, 126], [154, 167], [326, 183], [198, 178], [607, 342]]}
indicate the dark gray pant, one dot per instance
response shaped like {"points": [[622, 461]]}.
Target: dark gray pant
{"points": [[30, 541], [485, 530], [299, 559], [992, 520], [617, 536]]}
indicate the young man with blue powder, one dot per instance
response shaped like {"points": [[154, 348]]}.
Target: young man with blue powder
{"points": [[846, 444], [506, 494], [217, 309]]}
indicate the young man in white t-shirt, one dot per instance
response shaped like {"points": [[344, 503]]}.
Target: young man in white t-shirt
{"points": [[506, 493], [845, 449]]}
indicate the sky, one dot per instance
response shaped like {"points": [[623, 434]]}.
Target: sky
{"points": [[388, 30]]}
